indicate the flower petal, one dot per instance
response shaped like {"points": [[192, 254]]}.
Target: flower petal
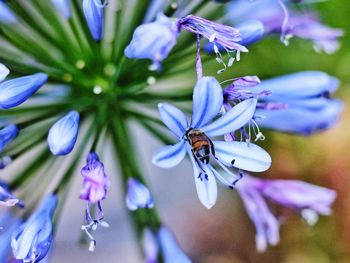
{"points": [[4, 71], [242, 155], [207, 189], [173, 118], [170, 156], [207, 101], [234, 119]]}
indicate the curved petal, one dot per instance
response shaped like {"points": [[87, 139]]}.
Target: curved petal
{"points": [[207, 101], [234, 119], [207, 189], [173, 118], [243, 156], [170, 156]]}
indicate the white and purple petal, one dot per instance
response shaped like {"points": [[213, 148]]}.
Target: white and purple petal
{"points": [[4, 71], [207, 101], [170, 155], [173, 118], [234, 119], [205, 184], [242, 155]]}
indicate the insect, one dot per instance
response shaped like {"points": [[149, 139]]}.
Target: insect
{"points": [[201, 145]]}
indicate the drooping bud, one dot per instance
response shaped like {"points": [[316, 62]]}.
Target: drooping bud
{"points": [[138, 195], [15, 91], [63, 134]]}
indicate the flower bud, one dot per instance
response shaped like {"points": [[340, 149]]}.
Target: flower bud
{"points": [[63, 134], [138, 195], [16, 91]]}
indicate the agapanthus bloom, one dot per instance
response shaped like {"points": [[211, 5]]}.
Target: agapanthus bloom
{"points": [[305, 103], [153, 41], [138, 195], [277, 17], [307, 199], [94, 191], [226, 37], [251, 32], [7, 198], [32, 240], [194, 138]]}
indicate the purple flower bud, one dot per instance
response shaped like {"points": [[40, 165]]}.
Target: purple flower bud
{"points": [[93, 11], [95, 180], [7, 198], [6, 14], [63, 6], [15, 91], [63, 134], [32, 240], [225, 36], [138, 195], [7, 134], [153, 41]]}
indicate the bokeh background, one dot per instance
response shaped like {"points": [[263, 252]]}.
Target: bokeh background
{"points": [[224, 233]]}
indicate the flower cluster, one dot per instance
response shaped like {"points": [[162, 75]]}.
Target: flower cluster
{"points": [[77, 81]]}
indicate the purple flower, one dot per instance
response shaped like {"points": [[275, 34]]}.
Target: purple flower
{"points": [[93, 11], [7, 198], [7, 134], [16, 91], [95, 180], [194, 138], [307, 199], [6, 14], [153, 41], [225, 36], [94, 191], [251, 32], [278, 18], [138, 195], [305, 95], [219, 35], [63, 6], [32, 240], [63, 134]]}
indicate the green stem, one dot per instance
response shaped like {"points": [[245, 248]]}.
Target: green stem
{"points": [[142, 218]]}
